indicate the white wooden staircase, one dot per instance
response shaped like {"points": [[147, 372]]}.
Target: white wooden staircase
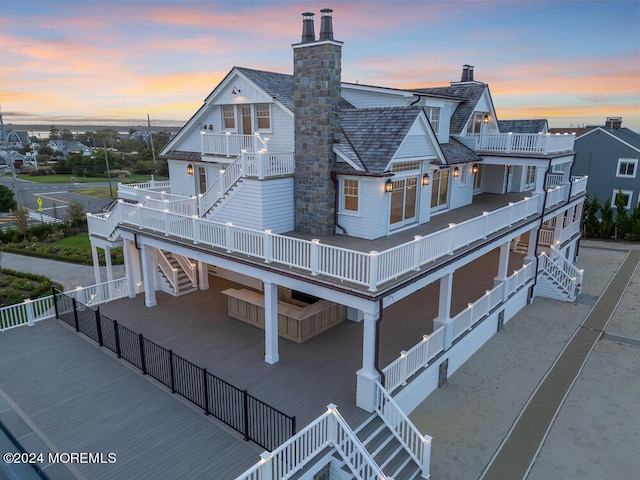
{"points": [[558, 278], [176, 274]]}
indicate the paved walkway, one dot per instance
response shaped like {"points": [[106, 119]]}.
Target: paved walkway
{"points": [[67, 274]]}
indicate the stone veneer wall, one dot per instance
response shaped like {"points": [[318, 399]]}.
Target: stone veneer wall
{"points": [[316, 95]]}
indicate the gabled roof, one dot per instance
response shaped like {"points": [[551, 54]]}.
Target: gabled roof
{"points": [[468, 92], [624, 135], [277, 85], [457, 152], [374, 135], [535, 125]]}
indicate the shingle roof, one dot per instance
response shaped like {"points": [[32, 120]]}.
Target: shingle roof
{"points": [[457, 152], [375, 134], [470, 92], [277, 85], [625, 134], [523, 126]]}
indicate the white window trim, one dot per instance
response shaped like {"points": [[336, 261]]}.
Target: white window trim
{"points": [[344, 211], [624, 192], [634, 161], [255, 115], [235, 118], [558, 168], [462, 175]]}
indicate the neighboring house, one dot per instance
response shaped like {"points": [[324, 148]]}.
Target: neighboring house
{"points": [[302, 187], [609, 155], [67, 147], [538, 125]]}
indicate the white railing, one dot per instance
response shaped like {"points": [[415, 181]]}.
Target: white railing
{"points": [[168, 270], [31, 311], [104, 224], [417, 357], [566, 283], [134, 191], [366, 269], [418, 446], [553, 179], [231, 144], [578, 185], [519, 278], [328, 430], [557, 195], [544, 143], [188, 267], [221, 186], [546, 237], [264, 164], [566, 266]]}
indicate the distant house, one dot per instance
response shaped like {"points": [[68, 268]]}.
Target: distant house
{"points": [[66, 147], [609, 156], [536, 125]]}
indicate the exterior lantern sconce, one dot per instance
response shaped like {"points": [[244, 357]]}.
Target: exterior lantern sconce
{"points": [[486, 119], [425, 180], [235, 90], [189, 169], [388, 185], [474, 169], [456, 171]]}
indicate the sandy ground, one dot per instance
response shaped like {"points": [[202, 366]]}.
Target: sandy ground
{"points": [[470, 416]]}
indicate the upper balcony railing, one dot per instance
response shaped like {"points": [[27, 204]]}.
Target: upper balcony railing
{"points": [[370, 270], [232, 144], [536, 143], [563, 192]]}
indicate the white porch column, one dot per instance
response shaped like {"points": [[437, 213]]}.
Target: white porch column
{"points": [[531, 247], [96, 263], [132, 267], [367, 376], [540, 175], [444, 309], [107, 259], [149, 275], [203, 276], [271, 323], [503, 265]]}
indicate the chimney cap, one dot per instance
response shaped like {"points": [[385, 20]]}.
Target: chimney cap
{"points": [[326, 24], [308, 32], [308, 14], [326, 11]]}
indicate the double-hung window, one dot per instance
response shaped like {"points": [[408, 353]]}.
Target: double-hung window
{"points": [[263, 116], [228, 117], [350, 195], [433, 114], [627, 167]]}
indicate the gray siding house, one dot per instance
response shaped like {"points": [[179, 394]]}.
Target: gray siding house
{"points": [[609, 156]]}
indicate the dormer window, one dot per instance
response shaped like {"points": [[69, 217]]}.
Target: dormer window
{"points": [[433, 114], [475, 124], [228, 117]]}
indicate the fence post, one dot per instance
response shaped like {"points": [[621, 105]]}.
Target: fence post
{"points": [[373, 271], [116, 336], [99, 327], [229, 236], [314, 262], [55, 301], [171, 370], [206, 391], [452, 236], [29, 307], [245, 403], [416, 252], [75, 315], [426, 456], [143, 362], [268, 246], [266, 469]]}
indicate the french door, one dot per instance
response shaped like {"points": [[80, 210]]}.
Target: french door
{"points": [[403, 202]]}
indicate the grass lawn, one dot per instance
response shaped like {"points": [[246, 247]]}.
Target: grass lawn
{"points": [[66, 178], [100, 192], [81, 242]]}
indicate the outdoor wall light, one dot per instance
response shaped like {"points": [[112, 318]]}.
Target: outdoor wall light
{"points": [[235, 90], [474, 169], [388, 185], [189, 169], [456, 171], [486, 119], [425, 180]]}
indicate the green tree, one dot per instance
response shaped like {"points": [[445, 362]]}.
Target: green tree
{"points": [[54, 133], [591, 223], [21, 219], [75, 213], [605, 229], [622, 221], [634, 224], [7, 202]]}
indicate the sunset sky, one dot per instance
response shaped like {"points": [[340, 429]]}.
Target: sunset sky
{"points": [[67, 61]]}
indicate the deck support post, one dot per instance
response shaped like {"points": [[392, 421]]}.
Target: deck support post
{"points": [[368, 375], [132, 267], [503, 265], [149, 275], [271, 323], [203, 275], [531, 246], [444, 309], [96, 263]]}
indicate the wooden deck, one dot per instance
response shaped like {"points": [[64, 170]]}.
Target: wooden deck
{"points": [[84, 399]]}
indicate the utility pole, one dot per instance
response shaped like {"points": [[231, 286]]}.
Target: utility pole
{"points": [[106, 159], [16, 187], [153, 150]]}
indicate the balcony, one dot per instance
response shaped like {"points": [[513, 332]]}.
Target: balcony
{"points": [[519, 143], [232, 144]]}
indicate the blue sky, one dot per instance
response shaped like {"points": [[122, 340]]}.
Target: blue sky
{"points": [[573, 62]]}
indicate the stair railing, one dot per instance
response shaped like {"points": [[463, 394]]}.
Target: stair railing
{"points": [[188, 267], [168, 270], [227, 179], [418, 446], [566, 283], [566, 265]]}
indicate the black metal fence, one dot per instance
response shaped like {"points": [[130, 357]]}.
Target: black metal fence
{"points": [[256, 420]]}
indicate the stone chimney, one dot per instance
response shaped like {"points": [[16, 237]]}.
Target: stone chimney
{"points": [[614, 123], [316, 98]]}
